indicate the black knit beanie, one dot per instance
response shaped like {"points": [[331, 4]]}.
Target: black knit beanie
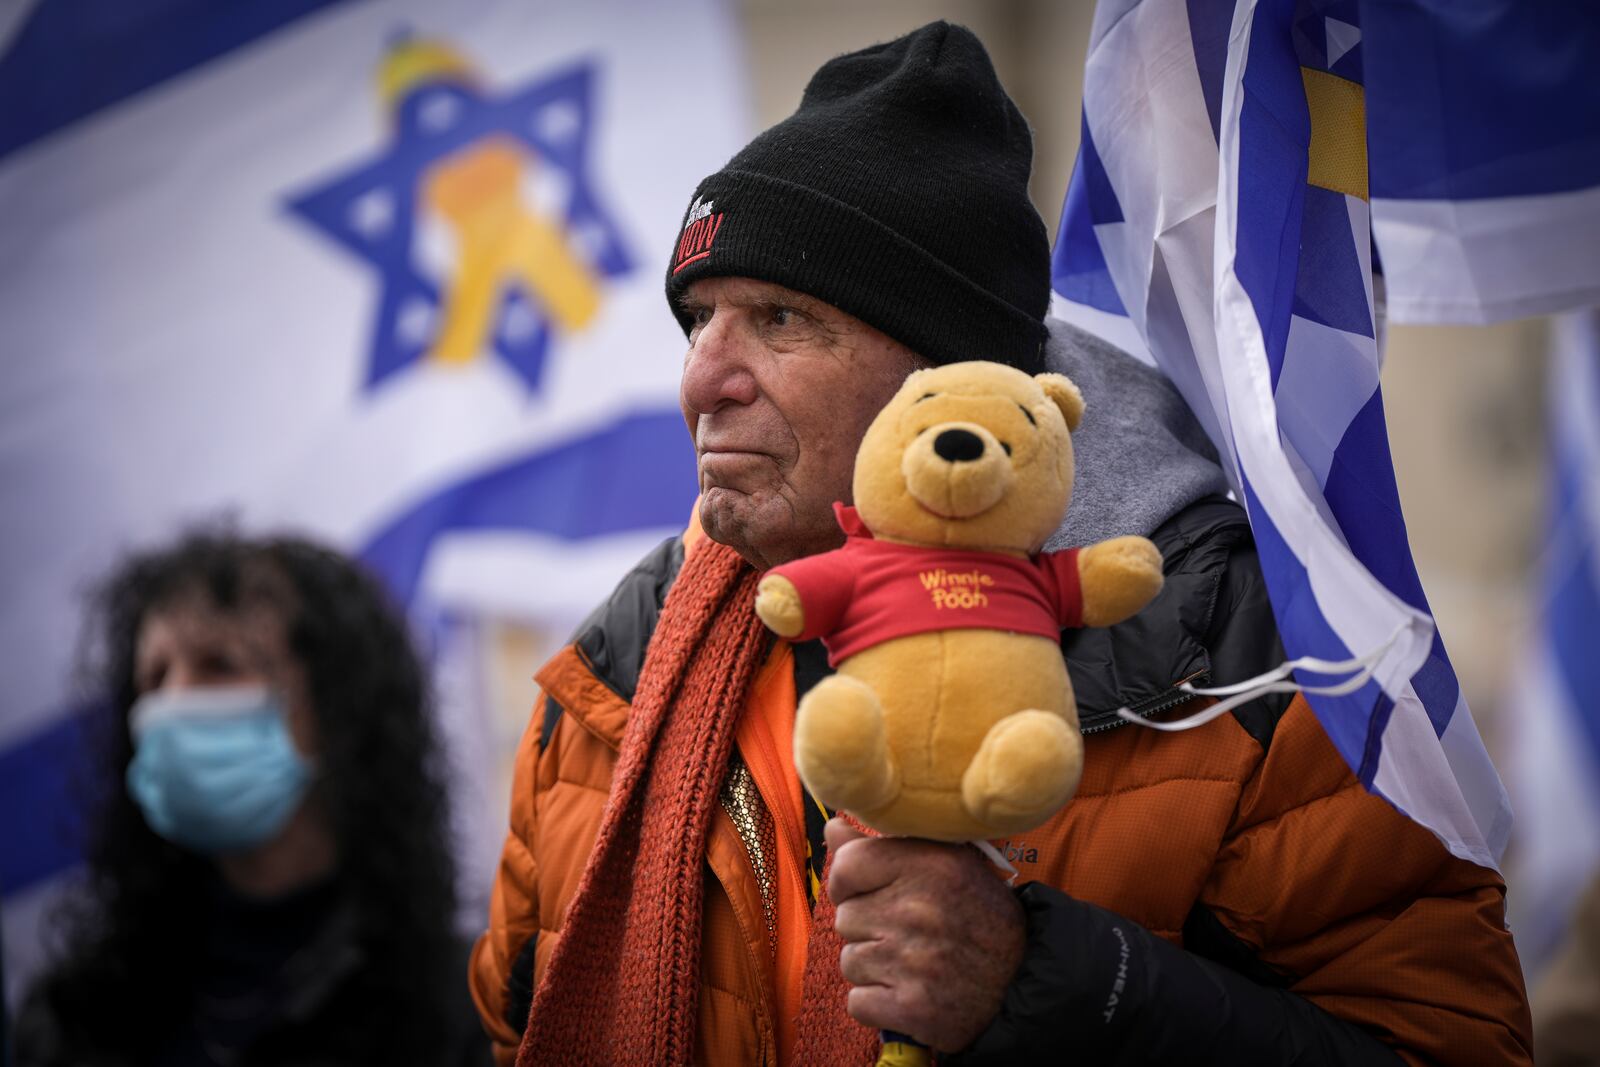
{"points": [[898, 192]]}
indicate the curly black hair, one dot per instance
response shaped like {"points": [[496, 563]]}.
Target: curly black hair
{"points": [[132, 942]]}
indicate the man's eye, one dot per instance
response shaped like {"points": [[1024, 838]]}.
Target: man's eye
{"points": [[698, 317], [782, 316]]}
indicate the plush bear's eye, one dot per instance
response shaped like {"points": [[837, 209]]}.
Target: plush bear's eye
{"points": [[1006, 447], [1027, 415]]}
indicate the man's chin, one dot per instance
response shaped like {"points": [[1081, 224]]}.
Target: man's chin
{"points": [[762, 528], [727, 515]]}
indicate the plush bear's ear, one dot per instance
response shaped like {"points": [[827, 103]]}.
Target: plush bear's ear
{"points": [[1065, 395]]}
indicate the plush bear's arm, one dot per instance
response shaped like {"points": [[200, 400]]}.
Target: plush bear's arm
{"points": [[806, 598], [778, 605], [1117, 578]]}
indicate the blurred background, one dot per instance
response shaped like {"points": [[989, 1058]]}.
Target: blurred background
{"points": [[240, 284]]}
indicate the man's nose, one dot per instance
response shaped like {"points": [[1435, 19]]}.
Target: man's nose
{"points": [[719, 367]]}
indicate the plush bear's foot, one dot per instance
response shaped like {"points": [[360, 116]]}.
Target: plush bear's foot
{"points": [[841, 748], [1118, 578], [1026, 768]]}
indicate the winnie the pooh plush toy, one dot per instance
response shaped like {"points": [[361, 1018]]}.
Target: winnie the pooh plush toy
{"points": [[951, 715]]}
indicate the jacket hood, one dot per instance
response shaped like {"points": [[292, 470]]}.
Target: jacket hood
{"points": [[1141, 454]]}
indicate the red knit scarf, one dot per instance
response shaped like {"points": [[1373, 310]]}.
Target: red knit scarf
{"points": [[622, 982], [825, 1034]]}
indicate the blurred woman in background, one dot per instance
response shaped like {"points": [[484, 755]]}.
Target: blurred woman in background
{"points": [[268, 877]]}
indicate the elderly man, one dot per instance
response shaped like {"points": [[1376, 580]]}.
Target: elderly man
{"points": [[670, 894]]}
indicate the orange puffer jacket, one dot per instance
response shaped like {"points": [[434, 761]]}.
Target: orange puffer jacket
{"points": [[1247, 843]]}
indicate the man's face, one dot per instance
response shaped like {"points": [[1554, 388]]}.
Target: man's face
{"points": [[777, 390]]}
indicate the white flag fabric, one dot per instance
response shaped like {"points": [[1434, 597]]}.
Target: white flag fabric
{"points": [[1554, 699], [385, 274], [1218, 226]]}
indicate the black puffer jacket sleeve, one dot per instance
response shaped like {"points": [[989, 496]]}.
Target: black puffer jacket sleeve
{"points": [[1097, 988]]}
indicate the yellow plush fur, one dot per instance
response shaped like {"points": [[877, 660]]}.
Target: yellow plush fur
{"points": [[968, 733]]}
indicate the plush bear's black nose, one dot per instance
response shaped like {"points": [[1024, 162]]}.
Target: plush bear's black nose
{"points": [[958, 446]]}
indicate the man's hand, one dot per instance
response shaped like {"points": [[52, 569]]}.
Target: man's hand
{"points": [[932, 936]]}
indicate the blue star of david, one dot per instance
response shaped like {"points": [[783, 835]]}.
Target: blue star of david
{"points": [[371, 210]]}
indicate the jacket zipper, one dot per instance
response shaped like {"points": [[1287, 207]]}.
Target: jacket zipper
{"points": [[1148, 708]]}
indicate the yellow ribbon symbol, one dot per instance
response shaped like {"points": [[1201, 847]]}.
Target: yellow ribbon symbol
{"points": [[499, 241]]}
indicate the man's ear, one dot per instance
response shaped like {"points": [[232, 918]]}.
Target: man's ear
{"points": [[1065, 395]]}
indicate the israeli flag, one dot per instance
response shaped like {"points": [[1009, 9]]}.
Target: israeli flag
{"points": [[387, 274], [1555, 695], [1218, 225]]}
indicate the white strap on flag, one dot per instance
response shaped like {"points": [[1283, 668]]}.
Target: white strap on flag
{"points": [[1273, 681]]}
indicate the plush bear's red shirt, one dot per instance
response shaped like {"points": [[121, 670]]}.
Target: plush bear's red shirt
{"points": [[871, 591]]}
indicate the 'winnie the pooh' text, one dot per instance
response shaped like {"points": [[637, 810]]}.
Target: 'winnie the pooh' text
{"points": [[956, 589]]}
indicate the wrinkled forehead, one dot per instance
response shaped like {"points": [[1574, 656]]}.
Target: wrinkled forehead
{"points": [[737, 290]]}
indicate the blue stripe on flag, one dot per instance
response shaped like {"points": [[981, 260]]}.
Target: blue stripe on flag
{"points": [[1331, 287], [636, 474], [1572, 617], [1362, 494], [42, 802], [1209, 24], [1104, 207], [1354, 722], [1078, 268], [75, 57], [1488, 99], [1275, 135]]}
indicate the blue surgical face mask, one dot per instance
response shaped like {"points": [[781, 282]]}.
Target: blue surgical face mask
{"points": [[214, 770]]}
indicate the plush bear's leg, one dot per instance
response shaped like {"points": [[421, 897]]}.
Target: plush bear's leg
{"points": [[841, 748], [1027, 766]]}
